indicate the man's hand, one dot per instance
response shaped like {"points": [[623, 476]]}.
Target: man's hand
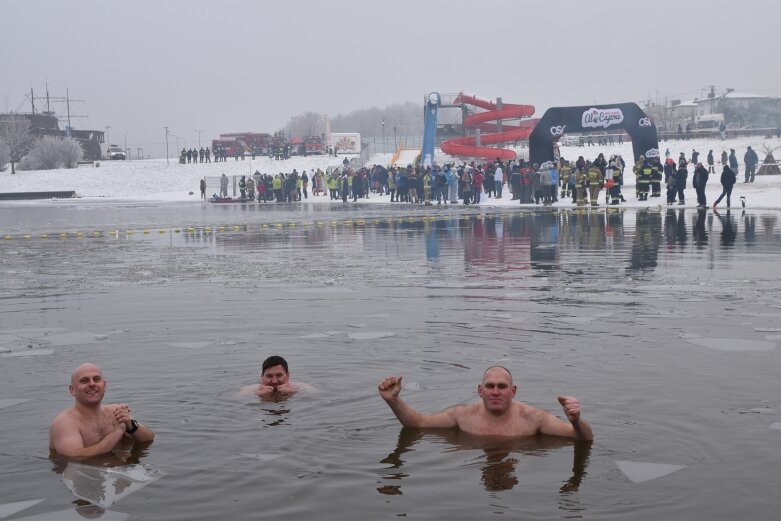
{"points": [[285, 389], [122, 416], [390, 388], [571, 408]]}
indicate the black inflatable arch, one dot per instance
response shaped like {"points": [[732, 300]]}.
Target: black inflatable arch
{"points": [[593, 118]]}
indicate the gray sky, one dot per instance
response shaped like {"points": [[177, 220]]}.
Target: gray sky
{"points": [[238, 65]]}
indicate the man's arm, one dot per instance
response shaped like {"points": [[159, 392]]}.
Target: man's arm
{"points": [[576, 428], [66, 439], [390, 388]]}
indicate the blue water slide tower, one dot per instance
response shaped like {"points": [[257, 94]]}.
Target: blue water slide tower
{"points": [[429, 129]]}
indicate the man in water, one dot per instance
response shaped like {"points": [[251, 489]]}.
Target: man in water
{"points": [[275, 380], [90, 428], [497, 415]]}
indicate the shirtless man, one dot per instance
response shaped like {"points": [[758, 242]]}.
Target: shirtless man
{"points": [[90, 428], [496, 415], [274, 380]]}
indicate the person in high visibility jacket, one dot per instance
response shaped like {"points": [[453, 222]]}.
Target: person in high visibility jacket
{"points": [[595, 183]]}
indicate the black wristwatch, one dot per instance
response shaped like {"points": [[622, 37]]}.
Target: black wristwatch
{"points": [[133, 427]]}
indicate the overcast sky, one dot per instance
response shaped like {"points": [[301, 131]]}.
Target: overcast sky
{"points": [[237, 65]]}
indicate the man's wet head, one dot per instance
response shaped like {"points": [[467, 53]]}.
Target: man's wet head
{"points": [[274, 372]]}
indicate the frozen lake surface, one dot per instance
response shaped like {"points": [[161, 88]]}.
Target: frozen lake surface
{"points": [[664, 323]]}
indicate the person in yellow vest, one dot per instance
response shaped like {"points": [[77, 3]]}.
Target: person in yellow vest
{"points": [[333, 186], [276, 184], [595, 183]]}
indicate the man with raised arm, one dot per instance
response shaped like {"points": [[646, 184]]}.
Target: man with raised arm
{"points": [[496, 415], [90, 428]]}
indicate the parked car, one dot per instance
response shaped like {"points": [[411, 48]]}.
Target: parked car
{"points": [[115, 152]]}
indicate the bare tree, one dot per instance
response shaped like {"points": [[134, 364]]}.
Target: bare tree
{"points": [[5, 156], [16, 133], [52, 152]]}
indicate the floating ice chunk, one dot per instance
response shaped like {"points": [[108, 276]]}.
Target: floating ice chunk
{"points": [[641, 472], [370, 335], [357, 325], [504, 316], [734, 344], [10, 402], [261, 457], [314, 336], [332, 333], [379, 315], [767, 329], [8, 509], [31, 352], [76, 514], [762, 410], [190, 345], [71, 338], [775, 426], [104, 486]]}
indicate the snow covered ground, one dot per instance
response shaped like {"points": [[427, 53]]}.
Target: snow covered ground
{"points": [[156, 180]]}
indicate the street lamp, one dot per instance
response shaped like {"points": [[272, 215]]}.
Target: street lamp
{"points": [[127, 150], [383, 134], [108, 141], [199, 138], [167, 159]]}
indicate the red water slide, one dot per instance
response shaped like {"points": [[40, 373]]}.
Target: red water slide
{"points": [[467, 146]]}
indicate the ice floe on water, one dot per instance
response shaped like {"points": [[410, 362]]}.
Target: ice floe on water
{"points": [[190, 345], [9, 509], [370, 335], [77, 514], [104, 486], [261, 457], [638, 472], [10, 402], [30, 352], [502, 316], [737, 345]]}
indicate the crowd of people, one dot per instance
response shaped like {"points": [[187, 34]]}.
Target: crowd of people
{"points": [[582, 181]]}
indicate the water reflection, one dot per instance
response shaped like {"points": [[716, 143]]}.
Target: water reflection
{"points": [[500, 460]]}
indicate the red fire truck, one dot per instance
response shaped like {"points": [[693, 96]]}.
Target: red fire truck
{"points": [[313, 145]]}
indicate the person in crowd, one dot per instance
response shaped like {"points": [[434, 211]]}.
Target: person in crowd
{"points": [[728, 180], [750, 159], [681, 176], [90, 428], [203, 188], [699, 181], [496, 414], [733, 162]]}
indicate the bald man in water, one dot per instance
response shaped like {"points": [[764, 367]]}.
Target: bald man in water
{"points": [[90, 428], [496, 415]]}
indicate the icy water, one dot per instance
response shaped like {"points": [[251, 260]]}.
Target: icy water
{"points": [[664, 323]]}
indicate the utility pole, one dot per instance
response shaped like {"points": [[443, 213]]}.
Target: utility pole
{"points": [[383, 134], [199, 138], [167, 159], [108, 141]]}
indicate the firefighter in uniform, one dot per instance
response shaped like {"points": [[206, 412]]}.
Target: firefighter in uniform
{"points": [[643, 178], [656, 177], [595, 183], [564, 175], [615, 190], [580, 186]]}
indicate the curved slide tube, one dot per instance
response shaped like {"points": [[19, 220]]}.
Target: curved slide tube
{"points": [[467, 146]]}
